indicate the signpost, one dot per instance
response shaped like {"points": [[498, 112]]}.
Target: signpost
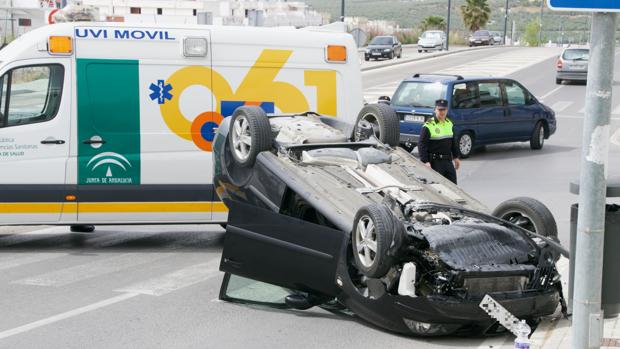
{"points": [[587, 328]]}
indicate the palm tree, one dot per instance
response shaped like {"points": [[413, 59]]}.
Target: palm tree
{"points": [[433, 22], [475, 14]]}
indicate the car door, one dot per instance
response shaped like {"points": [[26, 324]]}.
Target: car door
{"points": [[521, 116], [465, 108], [34, 140], [270, 247], [491, 113]]}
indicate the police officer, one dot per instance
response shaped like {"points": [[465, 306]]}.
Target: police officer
{"points": [[436, 146]]}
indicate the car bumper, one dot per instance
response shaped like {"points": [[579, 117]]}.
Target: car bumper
{"points": [[570, 75], [380, 55], [429, 47]]}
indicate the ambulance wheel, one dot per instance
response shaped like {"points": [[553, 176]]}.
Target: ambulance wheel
{"points": [[530, 214], [250, 134], [384, 122], [82, 228], [377, 236]]}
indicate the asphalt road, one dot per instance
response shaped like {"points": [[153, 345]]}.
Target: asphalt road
{"points": [[157, 286]]}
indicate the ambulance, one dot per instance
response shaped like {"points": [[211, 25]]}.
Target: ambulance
{"points": [[113, 123]]}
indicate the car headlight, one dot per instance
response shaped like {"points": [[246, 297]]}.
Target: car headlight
{"points": [[386, 50]]}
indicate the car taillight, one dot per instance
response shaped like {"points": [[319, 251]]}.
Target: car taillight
{"points": [[558, 64]]}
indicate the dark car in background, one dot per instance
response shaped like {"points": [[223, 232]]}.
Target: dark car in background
{"points": [[481, 38], [483, 110], [383, 47], [572, 65]]}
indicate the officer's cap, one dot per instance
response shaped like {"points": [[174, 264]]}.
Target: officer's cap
{"points": [[441, 104]]}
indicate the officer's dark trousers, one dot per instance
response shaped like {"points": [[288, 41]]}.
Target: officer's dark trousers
{"points": [[445, 168]]}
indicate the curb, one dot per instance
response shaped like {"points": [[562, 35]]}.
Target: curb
{"points": [[403, 61]]}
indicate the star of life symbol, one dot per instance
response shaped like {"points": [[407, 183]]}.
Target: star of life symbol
{"points": [[161, 92]]}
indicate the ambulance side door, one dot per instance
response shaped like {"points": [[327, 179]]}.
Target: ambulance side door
{"points": [[34, 140]]}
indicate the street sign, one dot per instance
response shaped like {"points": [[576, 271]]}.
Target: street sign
{"points": [[588, 6]]}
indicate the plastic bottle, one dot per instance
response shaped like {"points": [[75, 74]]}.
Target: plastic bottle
{"points": [[522, 331]]}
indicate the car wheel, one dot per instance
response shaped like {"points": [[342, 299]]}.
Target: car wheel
{"points": [[530, 214], [558, 81], [465, 142], [376, 237], [366, 59], [250, 134], [419, 51], [384, 122], [538, 137], [391, 55], [82, 228]]}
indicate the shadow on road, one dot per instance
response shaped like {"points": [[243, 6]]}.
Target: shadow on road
{"points": [[123, 239]]}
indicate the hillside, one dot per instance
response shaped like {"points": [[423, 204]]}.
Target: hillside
{"points": [[409, 14]]}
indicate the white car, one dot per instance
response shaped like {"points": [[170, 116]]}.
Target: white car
{"points": [[432, 40]]}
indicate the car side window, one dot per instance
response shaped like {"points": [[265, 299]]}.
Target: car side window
{"points": [[515, 95], [30, 94], [465, 95], [490, 94]]}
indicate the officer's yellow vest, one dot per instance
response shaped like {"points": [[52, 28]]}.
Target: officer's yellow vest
{"points": [[439, 130]]}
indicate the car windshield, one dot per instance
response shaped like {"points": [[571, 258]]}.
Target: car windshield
{"points": [[431, 35], [577, 54], [419, 94], [481, 33], [381, 40]]}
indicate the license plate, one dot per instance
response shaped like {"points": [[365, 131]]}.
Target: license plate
{"points": [[579, 67], [376, 54], [414, 118], [478, 42]]}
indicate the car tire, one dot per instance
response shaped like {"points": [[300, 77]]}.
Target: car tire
{"points": [[376, 228], [529, 214], [419, 51], [465, 142], [391, 55], [83, 228], [384, 122], [558, 81], [538, 137], [250, 134], [366, 59]]}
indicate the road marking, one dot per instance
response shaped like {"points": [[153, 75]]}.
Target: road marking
{"points": [[20, 259], [66, 315], [560, 106], [550, 93], [90, 270], [615, 138], [176, 280], [34, 235]]}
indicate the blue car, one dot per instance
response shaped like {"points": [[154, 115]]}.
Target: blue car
{"points": [[483, 110]]}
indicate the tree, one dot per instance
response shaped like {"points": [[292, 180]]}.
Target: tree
{"points": [[433, 22], [530, 36], [475, 14]]}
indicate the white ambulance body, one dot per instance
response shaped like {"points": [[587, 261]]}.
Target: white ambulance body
{"points": [[106, 123]]}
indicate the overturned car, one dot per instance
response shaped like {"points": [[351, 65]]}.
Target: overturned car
{"points": [[339, 215]]}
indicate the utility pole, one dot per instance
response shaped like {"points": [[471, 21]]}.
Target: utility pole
{"points": [[448, 26], [505, 22], [342, 11], [587, 325], [542, 6]]}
